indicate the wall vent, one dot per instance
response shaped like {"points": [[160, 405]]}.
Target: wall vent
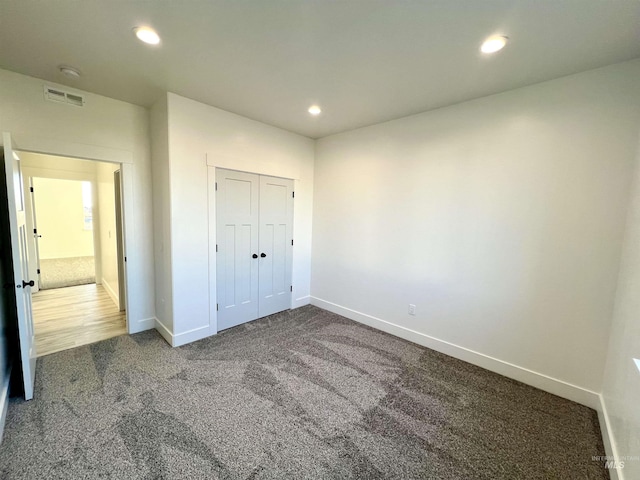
{"points": [[60, 96]]}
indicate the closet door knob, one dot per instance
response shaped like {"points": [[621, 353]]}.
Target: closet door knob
{"points": [[255, 255], [263, 255]]}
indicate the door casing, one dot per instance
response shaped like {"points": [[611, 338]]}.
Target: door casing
{"points": [[87, 151]]}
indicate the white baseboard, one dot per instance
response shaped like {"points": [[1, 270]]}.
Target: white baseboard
{"points": [[164, 331], [4, 403], [191, 336], [608, 439], [111, 292], [524, 375], [301, 302], [179, 339], [141, 325]]}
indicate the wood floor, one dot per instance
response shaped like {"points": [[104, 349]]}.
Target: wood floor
{"points": [[68, 317]]}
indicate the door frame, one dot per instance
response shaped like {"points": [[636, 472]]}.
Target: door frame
{"points": [[32, 225], [80, 151], [29, 174], [120, 247]]}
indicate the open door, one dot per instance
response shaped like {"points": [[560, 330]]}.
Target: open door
{"points": [[20, 257]]}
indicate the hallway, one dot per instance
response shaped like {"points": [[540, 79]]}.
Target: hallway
{"points": [[68, 317]]}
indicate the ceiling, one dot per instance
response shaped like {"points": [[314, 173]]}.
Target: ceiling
{"points": [[362, 61]]}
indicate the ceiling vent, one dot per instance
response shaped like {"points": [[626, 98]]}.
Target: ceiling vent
{"points": [[60, 96]]}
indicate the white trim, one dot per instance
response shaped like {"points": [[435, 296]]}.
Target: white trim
{"points": [[4, 403], [192, 335], [54, 173], [179, 339], [608, 439], [164, 331], [213, 240], [110, 291], [301, 302], [223, 161], [535, 379], [63, 148], [142, 325], [130, 240]]}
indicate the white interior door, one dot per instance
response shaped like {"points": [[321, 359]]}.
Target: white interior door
{"points": [[20, 257], [276, 245], [237, 211], [254, 249]]}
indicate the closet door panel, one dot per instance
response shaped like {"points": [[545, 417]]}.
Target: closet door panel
{"points": [[276, 230], [237, 214]]}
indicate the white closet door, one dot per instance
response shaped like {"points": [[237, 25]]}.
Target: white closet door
{"points": [[276, 233], [237, 213]]}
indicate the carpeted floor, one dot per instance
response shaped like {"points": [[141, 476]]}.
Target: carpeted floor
{"points": [[67, 272], [302, 394]]}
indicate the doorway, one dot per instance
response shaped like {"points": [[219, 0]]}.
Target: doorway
{"points": [[74, 210], [62, 217]]}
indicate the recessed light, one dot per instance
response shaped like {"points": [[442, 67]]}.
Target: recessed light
{"points": [[315, 110], [493, 44], [147, 35], [69, 72]]}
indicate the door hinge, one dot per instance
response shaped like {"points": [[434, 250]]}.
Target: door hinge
{"points": [[31, 189], [216, 307], [292, 288], [216, 186], [292, 241], [216, 247], [35, 231], [293, 194], [38, 271], [125, 259]]}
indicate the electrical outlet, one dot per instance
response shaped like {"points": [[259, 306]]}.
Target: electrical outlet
{"points": [[412, 309]]}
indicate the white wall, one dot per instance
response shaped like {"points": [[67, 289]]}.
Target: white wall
{"points": [[107, 228], [202, 138], [161, 212], [104, 129], [621, 388], [60, 214], [501, 218]]}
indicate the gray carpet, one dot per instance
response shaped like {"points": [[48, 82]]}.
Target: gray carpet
{"points": [[67, 272], [301, 394]]}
